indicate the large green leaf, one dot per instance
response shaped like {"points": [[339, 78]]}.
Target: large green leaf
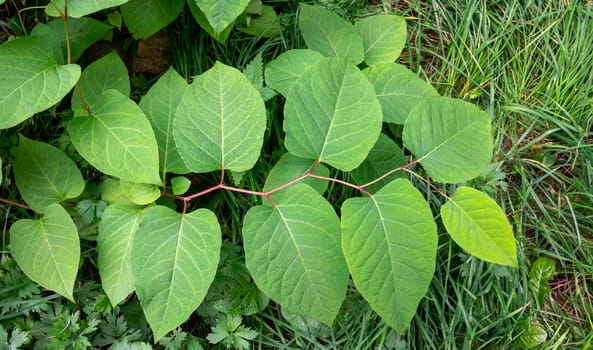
{"points": [[332, 115], [290, 167], [478, 225], [329, 34], [390, 243], [220, 122], [32, 79], [398, 89], [117, 139], [383, 37], [451, 138], [108, 72], [117, 229], [293, 253], [174, 260], [384, 157], [141, 194], [146, 17], [221, 14], [45, 175], [79, 8], [83, 32], [48, 250], [159, 105], [283, 72]]}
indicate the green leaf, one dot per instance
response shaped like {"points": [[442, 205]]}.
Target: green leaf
{"points": [[174, 259], [117, 229], [293, 253], [540, 273], [108, 72], [283, 72], [180, 185], [159, 105], [451, 138], [390, 244], [532, 336], [399, 90], [264, 25], [383, 37], [141, 194], [114, 18], [79, 8], [329, 34], [146, 17], [221, 14], [383, 157], [45, 175], [254, 72], [48, 250], [478, 225], [220, 122], [39, 83], [200, 17], [332, 115], [83, 32], [290, 167], [117, 139], [111, 192]]}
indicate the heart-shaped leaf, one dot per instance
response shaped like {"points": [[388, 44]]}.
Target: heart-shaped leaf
{"points": [[220, 122], [117, 139], [332, 115], [293, 253], [390, 244], [451, 138], [45, 175], [146, 17], [48, 250], [174, 260], [283, 72], [383, 37], [221, 14]]}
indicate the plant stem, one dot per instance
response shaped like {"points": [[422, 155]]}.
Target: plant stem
{"points": [[14, 204], [403, 167]]}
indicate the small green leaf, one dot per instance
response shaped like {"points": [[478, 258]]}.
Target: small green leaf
{"points": [[108, 72], [45, 175], [290, 167], [220, 122], [390, 244], [540, 273], [330, 34], [283, 72], [146, 17], [111, 192], [79, 8], [114, 18], [159, 105], [180, 185], [138, 193], [117, 229], [48, 250], [332, 115], [200, 17], [221, 14], [478, 225], [264, 25], [39, 83], [383, 37], [293, 253], [117, 139], [383, 157], [451, 138], [174, 260], [532, 336], [399, 90], [255, 73]]}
